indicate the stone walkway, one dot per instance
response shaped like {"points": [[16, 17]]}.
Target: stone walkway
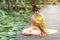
{"points": [[52, 16]]}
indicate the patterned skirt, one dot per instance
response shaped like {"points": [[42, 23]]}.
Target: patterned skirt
{"points": [[36, 31]]}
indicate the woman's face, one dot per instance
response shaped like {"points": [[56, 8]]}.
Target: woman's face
{"points": [[36, 12]]}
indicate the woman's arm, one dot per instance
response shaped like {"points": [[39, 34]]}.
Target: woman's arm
{"points": [[31, 21]]}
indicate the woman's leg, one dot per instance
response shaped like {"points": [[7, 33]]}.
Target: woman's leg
{"points": [[26, 32]]}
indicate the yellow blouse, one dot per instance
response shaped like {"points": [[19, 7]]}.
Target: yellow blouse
{"points": [[40, 19]]}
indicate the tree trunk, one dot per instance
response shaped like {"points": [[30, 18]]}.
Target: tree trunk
{"points": [[22, 1], [8, 3], [17, 1]]}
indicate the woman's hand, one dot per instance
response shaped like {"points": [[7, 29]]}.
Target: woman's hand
{"points": [[32, 20]]}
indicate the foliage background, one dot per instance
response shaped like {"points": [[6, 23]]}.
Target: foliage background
{"points": [[14, 16]]}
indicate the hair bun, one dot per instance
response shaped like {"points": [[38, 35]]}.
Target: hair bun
{"points": [[35, 8]]}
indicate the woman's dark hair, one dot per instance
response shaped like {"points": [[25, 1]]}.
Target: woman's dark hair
{"points": [[35, 8]]}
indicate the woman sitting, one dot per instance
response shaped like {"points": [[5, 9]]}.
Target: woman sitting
{"points": [[38, 24]]}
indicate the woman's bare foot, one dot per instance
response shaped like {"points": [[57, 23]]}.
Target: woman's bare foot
{"points": [[44, 34]]}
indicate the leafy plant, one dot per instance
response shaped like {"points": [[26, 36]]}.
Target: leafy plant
{"points": [[12, 23]]}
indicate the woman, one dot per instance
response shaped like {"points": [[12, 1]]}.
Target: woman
{"points": [[38, 24]]}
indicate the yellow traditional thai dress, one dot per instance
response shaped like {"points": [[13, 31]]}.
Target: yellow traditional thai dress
{"points": [[37, 25]]}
